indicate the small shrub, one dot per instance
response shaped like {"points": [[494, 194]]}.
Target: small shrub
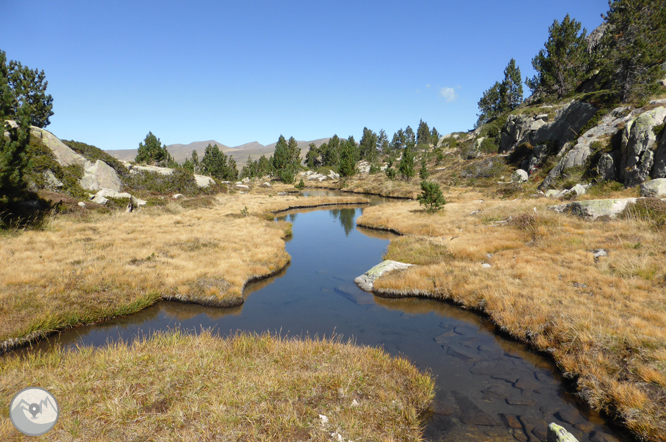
{"points": [[245, 212], [431, 196], [374, 169], [489, 145], [300, 184], [529, 224]]}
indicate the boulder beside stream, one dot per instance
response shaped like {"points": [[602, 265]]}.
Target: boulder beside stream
{"points": [[366, 280]]}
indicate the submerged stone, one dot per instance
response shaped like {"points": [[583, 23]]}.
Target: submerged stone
{"points": [[366, 281]]}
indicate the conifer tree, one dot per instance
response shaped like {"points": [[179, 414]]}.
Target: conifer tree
{"points": [[501, 97], [423, 133], [14, 157], [410, 137], [151, 151], [348, 157], [563, 62], [633, 50], [382, 142], [368, 145], [406, 166], [398, 141], [434, 137], [431, 196], [312, 157], [423, 172], [19, 86]]}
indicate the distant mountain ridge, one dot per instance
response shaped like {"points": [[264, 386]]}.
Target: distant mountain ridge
{"points": [[180, 152]]}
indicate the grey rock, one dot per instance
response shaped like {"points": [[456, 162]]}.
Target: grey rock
{"points": [[552, 193], [99, 175], [177, 196], [519, 176], [578, 189], [204, 181], [155, 169], [266, 184], [598, 253], [638, 142], [81, 204], [539, 153], [485, 265], [470, 413], [659, 167], [245, 180], [366, 281], [593, 209], [606, 167], [64, 155], [557, 433], [543, 117], [241, 186], [654, 188], [52, 182]]}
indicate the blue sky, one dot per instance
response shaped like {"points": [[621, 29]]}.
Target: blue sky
{"points": [[240, 71]]}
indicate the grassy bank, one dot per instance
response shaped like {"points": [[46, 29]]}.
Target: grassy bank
{"points": [[603, 319], [246, 387], [87, 266]]}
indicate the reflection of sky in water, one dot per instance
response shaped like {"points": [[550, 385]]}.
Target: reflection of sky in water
{"points": [[478, 373]]}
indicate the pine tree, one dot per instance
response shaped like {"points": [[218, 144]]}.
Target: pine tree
{"points": [[14, 157], [501, 97], [398, 141], [294, 153], [512, 87], [151, 151], [348, 157], [423, 172], [634, 47], [312, 157], [368, 145], [434, 137], [563, 62], [423, 133], [382, 142], [410, 138], [390, 171], [406, 166], [24, 86], [431, 196], [282, 161], [331, 155]]}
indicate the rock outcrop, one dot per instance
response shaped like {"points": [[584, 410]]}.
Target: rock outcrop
{"points": [[638, 144], [654, 189], [557, 433], [519, 176], [594, 209], [568, 121], [366, 280]]}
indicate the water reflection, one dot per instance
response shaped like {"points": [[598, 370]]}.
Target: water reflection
{"points": [[488, 388]]}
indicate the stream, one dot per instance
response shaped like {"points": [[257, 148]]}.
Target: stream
{"points": [[487, 387]]}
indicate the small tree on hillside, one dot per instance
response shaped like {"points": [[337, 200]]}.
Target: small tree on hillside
{"points": [[14, 157], [423, 133], [562, 64], [348, 157], [382, 142], [423, 172], [312, 157], [151, 151], [501, 97], [431, 196], [434, 137], [390, 171], [406, 166], [367, 148]]}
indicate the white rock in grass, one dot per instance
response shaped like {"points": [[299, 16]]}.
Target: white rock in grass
{"points": [[82, 204], [324, 419], [365, 281]]}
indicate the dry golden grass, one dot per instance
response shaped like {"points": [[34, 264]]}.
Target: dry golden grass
{"points": [[603, 320], [247, 387], [87, 267]]}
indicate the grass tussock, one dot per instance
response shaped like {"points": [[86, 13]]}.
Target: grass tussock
{"points": [[418, 250], [603, 319], [174, 386], [88, 266]]}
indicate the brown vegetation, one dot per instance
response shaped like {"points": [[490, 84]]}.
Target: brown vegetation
{"points": [[247, 387], [87, 266], [602, 318]]}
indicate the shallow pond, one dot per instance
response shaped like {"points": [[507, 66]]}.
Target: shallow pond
{"points": [[488, 388]]}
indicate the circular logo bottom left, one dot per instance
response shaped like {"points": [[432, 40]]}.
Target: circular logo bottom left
{"points": [[34, 411]]}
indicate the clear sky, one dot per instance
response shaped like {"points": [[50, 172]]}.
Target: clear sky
{"points": [[250, 70]]}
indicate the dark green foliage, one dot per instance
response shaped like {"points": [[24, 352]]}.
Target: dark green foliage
{"points": [[151, 151], [489, 145], [398, 141], [502, 97], [382, 142], [193, 164], [93, 153], [331, 152], [216, 164], [374, 168], [562, 64], [634, 47], [180, 181], [519, 154], [286, 159], [312, 158], [255, 169], [423, 172], [348, 157], [423, 133], [367, 148], [300, 184], [406, 166], [434, 137], [431, 196], [440, 156], [14, 158], [21, 86], [410, 137], [390, 171]]}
